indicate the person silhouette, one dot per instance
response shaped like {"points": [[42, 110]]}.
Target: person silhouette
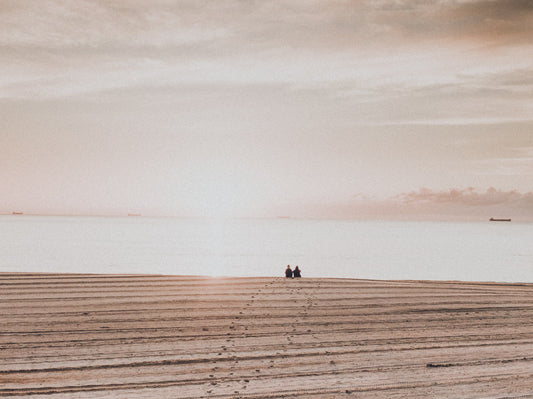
{"points": [[296, 273], [288, 271]]}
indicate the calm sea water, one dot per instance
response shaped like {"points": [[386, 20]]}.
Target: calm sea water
{"points": [[322, 248]]}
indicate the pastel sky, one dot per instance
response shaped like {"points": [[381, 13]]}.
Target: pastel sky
{"points": [[346, 109]]}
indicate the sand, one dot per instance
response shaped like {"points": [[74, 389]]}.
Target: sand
{"points": [[137, 336]]}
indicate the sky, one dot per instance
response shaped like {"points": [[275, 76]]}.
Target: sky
{"points": [[401, 109]]}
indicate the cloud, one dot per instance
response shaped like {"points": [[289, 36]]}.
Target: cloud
{"points": [[467, 196], [426, 204], [498, 21], [455, 121], [388, 62], [232, 25], [91, 24], [517, 162]]}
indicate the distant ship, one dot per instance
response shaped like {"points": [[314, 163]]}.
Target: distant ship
{"points": [[18, 213], [499, 220]]}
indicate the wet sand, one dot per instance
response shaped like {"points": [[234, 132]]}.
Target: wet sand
{"points": [[136, 336]]}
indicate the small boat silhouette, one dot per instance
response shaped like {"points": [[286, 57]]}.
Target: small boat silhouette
{"points": [[499, 220]]}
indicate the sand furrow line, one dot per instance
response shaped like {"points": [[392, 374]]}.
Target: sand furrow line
{"points": [[209, 333], [336, 348], [316, 324], [311, 390]]}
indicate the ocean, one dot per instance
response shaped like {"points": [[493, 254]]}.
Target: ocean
{"points": [[484, 251]]}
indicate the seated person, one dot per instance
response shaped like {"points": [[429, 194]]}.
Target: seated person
{"points": [[288, 272]]}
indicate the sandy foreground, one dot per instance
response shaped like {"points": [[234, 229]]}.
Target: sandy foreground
{"points": [[137, 336]]}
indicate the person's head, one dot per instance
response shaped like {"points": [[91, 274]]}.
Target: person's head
{"points": [[297, 267], [288, 266]]}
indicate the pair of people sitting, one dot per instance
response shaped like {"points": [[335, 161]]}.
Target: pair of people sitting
{"points": [[289, 273]]}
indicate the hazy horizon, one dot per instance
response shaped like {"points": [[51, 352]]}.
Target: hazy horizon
{"points": [[377, 109]]}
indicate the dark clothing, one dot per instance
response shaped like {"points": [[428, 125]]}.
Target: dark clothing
{"points": [[297, 273], [288, 273]]}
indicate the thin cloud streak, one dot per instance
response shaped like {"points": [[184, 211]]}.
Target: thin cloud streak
{"points": [[453, 122], [467, 196]]}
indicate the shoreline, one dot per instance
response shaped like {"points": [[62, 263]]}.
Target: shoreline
{"points": [[142, 336]]}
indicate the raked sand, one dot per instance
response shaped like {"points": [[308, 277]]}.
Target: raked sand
{"points": [[137, 336]]}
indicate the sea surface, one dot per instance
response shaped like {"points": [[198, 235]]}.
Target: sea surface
{"points": [[484, 251]]}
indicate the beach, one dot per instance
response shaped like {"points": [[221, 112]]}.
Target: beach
{"points": [[156, 336]]}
